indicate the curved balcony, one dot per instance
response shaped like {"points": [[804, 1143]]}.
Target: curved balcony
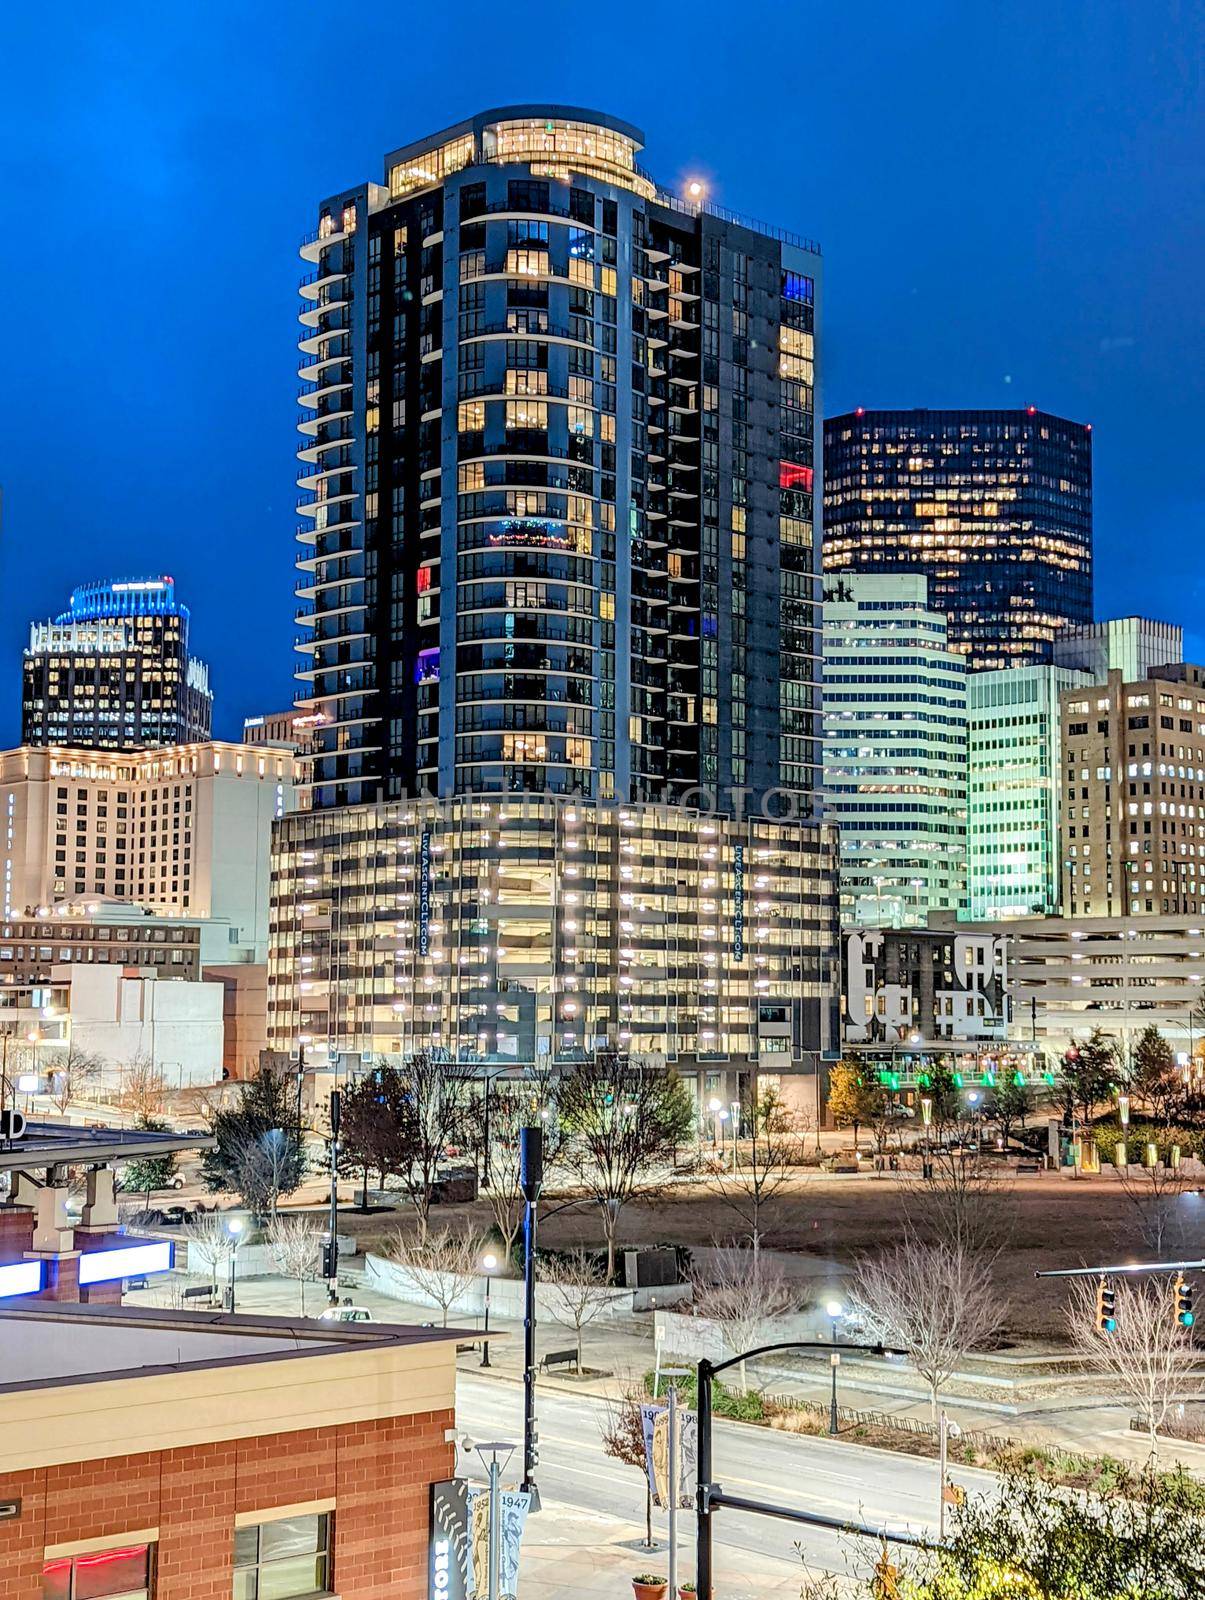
{"points": [[311, 287], [312, 246], [311, 316], [311, 480]]}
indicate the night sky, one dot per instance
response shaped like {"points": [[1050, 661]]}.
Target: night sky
{"points": [[1009, 199]]}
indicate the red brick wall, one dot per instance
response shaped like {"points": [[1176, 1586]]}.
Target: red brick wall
{"points": [[377, 1472]]}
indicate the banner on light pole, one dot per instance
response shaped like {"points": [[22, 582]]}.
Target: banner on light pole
{"points": [[655, 1422]]}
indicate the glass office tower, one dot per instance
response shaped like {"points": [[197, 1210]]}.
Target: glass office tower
{"points": [[559, 539], [993, 507], [113, 671]]}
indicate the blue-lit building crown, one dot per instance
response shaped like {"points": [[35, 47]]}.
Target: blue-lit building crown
{"points": [[123, 597]]}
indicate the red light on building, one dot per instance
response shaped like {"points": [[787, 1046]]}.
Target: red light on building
{"points": [[860, 411], [424, 579], [1033, 410], [792, 475]]}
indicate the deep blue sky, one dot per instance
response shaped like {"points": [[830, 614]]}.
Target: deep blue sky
{"points": [[1009, 198]]}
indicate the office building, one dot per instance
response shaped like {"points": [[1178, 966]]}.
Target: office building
{"points": [[1133, 780], [994, 507], [181, 832], [560, 534], [895, 734], [1014, 790], [559, 540], [295, 729], [192, 1455], [1133, 646], [113, 671], [99, 933]]}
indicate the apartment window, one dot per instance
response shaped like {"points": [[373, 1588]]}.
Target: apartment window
{"points": [[276, 1560], [123, 1573]]}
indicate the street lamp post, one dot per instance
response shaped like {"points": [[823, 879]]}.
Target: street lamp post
{"points": [[234, 1228], [736, 1128], [834, 1309], [494, 1544], [489, 1265], [1123, 1112]]}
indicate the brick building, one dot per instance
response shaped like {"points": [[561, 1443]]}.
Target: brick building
{"points": [[188, 1456]]}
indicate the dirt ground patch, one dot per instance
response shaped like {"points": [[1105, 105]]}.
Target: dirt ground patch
{"points": [[1050, 1222]]}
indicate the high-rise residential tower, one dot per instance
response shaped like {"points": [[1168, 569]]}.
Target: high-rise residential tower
{"points": [[558, 451], [113, 671], [994, 507], [894, 751], [559, 573]]}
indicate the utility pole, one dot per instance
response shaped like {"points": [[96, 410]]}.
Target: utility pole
{"points": [[332, 1260], [531, 1180]]}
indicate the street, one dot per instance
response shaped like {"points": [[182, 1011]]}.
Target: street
{"points": [[837, 1480]]}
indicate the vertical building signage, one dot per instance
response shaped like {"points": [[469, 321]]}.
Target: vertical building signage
{"points": [[738, 903], [424, 893]]}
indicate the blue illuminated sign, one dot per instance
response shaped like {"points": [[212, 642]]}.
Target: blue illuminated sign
{"points": [[424, 893], [20, 1277], [738, 903], [131, 1261]]}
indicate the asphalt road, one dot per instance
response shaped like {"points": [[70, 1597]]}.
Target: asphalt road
{"points": [[898, 1493]]}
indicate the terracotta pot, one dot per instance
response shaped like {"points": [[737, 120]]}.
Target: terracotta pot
{"points": [[649, 1591]]}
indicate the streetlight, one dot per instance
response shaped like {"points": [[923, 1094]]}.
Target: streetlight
{"points": [[715, 1107], [834, 1309], [489, 1264], [234, 1227], [494, 1547], [736, 1129]]}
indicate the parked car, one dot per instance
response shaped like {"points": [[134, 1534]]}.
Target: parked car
{"points": [[346, 1314]]}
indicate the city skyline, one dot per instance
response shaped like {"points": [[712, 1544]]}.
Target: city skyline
{"points": [[1015, 296]]}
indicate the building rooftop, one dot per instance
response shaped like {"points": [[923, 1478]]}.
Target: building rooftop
{"points": [[85, 1382], [67, 1343]]}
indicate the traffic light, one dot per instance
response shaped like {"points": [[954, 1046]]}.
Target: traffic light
{"points": [[1184, 1312], [1106, 1307]]}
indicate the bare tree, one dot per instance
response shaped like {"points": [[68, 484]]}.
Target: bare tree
{"points": [[741, 1291], [775, 1148], [623, 1121], [621, 1425], [442, 1267], [1155, 1193], [297, 1246], [265, 1167], [435, 1118], [575, 1291], [1149, 1355], [961, 1206], [210, 1244], [73, 1072], [933, 1300], [141, 1088]]}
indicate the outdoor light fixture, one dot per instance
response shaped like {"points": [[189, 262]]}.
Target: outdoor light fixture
{"points": [[102, 1266]]}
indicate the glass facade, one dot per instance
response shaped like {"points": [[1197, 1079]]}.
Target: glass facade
{"points": [[894, 751], [536, 930], [1013, 799], [994, 507], [559, 540], [543, 547], [113, 672]]}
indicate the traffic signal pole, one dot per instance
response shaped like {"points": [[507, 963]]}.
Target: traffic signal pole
{"points": [[531, 1180]]}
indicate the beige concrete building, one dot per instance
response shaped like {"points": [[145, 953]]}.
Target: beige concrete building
{"points": [[1133, 782], [1121, 974], [184, 831]]}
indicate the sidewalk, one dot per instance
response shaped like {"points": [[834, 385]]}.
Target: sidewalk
{"points": [[570, 1552], [619, 1351]]}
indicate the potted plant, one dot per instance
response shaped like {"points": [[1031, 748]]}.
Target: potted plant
{"points": [[650, 1586], [686, 1591]]}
